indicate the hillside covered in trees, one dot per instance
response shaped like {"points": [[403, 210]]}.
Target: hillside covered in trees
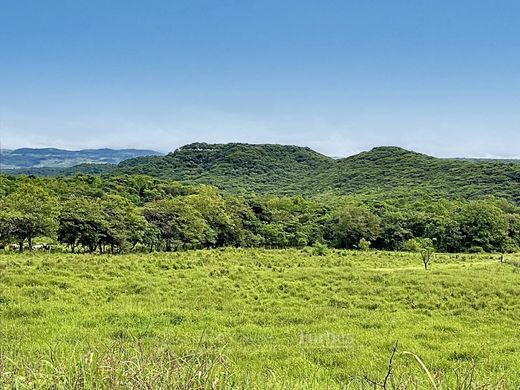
{"points": [[140, 213], [382, 173]]}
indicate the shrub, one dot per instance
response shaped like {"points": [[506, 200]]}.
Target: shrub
{"points": [[319, 249], [364, 245]]}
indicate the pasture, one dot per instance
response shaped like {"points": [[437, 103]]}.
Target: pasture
{"points": [[252, 318]]}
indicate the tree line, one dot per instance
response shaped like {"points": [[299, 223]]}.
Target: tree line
{"points": [[139, 213]]}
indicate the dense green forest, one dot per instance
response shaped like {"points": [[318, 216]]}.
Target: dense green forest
{"points": [[140, 213], [382, 173]]}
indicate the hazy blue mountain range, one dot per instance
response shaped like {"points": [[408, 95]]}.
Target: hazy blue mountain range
{"points": [[58, 158]]}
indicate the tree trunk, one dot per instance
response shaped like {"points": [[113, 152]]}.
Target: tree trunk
{"points": [[29, 241], [20, 246]]}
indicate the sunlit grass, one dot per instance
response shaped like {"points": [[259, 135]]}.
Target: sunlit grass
{"points": [[254, 318]]}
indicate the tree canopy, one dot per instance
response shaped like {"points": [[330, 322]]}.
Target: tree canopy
{"points": [[136, 212]]}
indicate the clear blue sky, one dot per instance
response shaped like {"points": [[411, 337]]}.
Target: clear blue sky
{"points": [[440, 77]]}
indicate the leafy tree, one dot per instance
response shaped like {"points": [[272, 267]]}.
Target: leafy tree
{"points": [[179, 223], [125, 224], [394, 230], [444, 232], [353, 223], [7, 225], [212, 207], [151, 237], [513, 241], [31, 212], [423, 246], [243, 229], [81, 222], [482, 225], [274, 235]]}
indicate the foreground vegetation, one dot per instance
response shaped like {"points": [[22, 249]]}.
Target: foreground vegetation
{"points": [[251, 318]]}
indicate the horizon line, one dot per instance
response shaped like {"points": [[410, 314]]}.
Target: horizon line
{"points": [[4, 149]]}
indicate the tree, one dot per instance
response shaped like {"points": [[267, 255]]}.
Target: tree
{"points": [[151, 237], [31, 212], [427, 252], [483, 226], [125, 224], [274, 235], [423, 246], [212, 207], [353, 223], [394, 230], [179, 223], [242, 232], [81, 222], [290, 221], [7, 225], [444, 231], [513, 242]]}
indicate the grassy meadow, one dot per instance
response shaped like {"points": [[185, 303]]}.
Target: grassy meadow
{"points": [[251, 318]]}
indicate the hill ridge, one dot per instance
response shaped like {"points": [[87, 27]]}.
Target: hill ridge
{"points": [[382, 172]]}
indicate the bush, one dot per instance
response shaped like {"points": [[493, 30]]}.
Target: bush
{"points": [[476, 249], [413, 245], [364, 245], [319, 249]]}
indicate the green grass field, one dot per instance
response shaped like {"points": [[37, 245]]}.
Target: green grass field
{"points": [[258, 319]]}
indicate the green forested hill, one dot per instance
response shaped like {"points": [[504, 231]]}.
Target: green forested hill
{"points": [[395, 171], [383, 172], [238, 168]]}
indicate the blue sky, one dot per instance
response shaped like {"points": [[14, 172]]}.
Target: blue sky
{"points": [[440, 77]]}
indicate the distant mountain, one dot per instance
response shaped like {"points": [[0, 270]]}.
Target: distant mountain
{"points": [[57, 158], [236, 167], [396, 172], [381, 173]]}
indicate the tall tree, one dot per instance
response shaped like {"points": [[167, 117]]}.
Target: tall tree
{"points": [[353, 223], [483, 226], [81, 222], [32, 212], [179, 223], [125, 224]]}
